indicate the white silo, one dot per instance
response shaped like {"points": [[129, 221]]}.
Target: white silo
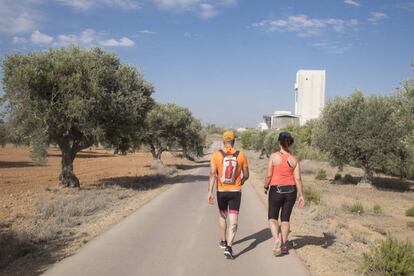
{"points": [[309, 94]]}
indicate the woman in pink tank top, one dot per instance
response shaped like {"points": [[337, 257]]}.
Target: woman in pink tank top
{"points": [[283, 183]]}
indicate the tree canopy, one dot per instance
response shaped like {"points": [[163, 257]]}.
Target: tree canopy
{"points": [[171, 127], [74, 98], [361, 131]]}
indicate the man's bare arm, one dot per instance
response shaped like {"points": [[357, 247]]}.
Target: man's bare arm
{"points": [[246, 175], [213, 178]]}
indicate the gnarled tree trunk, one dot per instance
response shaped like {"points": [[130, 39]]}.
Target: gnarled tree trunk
{"points": [[69, 147], [67, 178], [368, 175]]}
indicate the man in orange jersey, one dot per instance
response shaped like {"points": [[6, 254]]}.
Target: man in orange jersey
{"points": [[228, 172]]}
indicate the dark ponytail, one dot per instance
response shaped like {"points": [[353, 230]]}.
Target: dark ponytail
{"points": [[285, 140]]}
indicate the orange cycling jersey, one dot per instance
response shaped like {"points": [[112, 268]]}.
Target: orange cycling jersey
{"points": [[217, 160]]}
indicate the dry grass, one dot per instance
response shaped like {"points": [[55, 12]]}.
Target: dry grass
{"points": [[41, 223], [354, 234]]}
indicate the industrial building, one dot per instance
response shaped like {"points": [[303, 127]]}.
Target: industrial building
{"points": [[309, 94], [280, 119], [309, 101]]}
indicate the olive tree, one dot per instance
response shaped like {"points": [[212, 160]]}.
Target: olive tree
{"points": [[74, 98], [171, 127], [403, 103], [4, 136], [359, 130]]}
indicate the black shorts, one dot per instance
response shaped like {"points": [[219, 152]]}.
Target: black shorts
{"points": [[279, 201], [229, 202]]}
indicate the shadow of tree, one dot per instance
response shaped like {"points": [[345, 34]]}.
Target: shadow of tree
{"points": [[326, 241], [395, 184], [148, 182], [21, 255], [85, 155], [190, 167], [18, 164], [258, 237]]}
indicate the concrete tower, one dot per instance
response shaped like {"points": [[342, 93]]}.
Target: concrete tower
{"points": [[309, 94]]}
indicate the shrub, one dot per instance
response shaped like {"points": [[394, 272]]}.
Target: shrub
{"points": [[356, 207], [410, 225], [320, 174], [348, 178], [390, 257], [338, 176], [410, 212], [246, 139], [377, 208], [312, 196]]}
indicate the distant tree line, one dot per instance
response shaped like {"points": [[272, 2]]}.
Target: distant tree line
{"points": [[374, 133], [76, 98]]}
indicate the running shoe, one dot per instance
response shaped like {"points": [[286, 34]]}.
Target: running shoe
{"points": [[284, 250], [223, 244], [277, 249], [228, 253]]}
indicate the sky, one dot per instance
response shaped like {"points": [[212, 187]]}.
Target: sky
{"points": [[229, 61]]}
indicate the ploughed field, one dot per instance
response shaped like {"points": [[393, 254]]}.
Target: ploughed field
{"points": [[21, 179], [41, 223]]}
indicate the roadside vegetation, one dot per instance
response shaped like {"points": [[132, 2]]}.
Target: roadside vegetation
{"points": [[76, 98], [357, 166], [73, 99], [390, 257]]}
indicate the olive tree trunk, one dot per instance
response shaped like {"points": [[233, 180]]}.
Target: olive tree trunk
{"points": [[156, 152], [67, 178], [69, 148], [368, 175]]}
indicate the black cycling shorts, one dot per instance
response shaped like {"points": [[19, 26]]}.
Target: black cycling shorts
{"points": [[278, 201], [229, 202]]}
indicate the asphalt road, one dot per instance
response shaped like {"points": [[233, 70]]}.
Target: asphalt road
{"points": [[177, 234]]}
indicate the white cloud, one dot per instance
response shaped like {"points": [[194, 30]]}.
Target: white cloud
{"points": [[377, 16], [176, 4], [17, 17], [19, 40], [303, 25], [40, 38], [207, 10], [147, 32], [204, 8], [88, 4], [123, 42], [87, 38], [352, 2], [332, 47]]}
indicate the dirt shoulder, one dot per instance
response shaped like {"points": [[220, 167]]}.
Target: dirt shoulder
{"points": [[328, 236], [41, 223]]}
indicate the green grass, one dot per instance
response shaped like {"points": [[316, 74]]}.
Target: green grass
{"points": [[410, 212], [356, 208], [312, 196], [390, 257], [320, 174], [338, 176], [377, 209]]}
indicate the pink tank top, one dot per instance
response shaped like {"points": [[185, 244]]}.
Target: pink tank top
{"points": [[283, 173]]}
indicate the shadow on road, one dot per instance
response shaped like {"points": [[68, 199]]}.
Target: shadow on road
{"points": [[148, 182], [258, 237], [326, 241]]}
